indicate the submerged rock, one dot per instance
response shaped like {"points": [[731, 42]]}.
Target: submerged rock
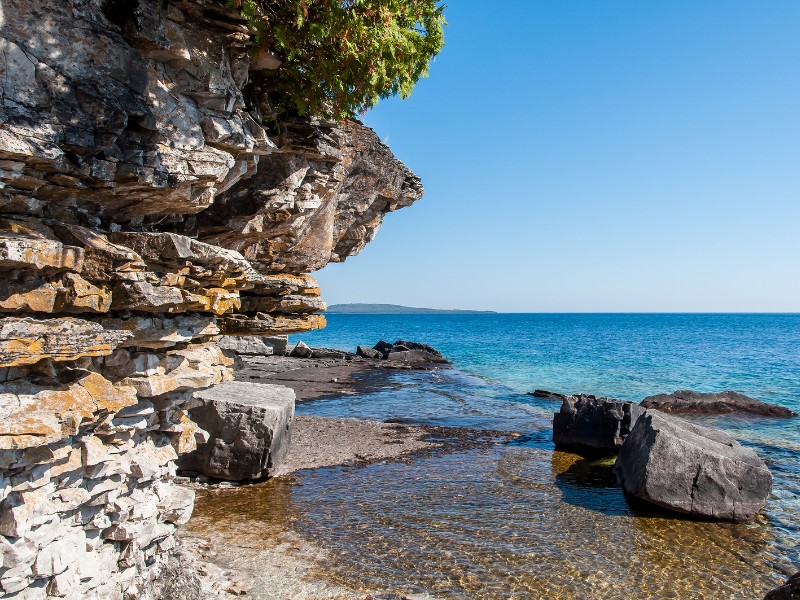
{"points": [[690, 469], [698, 403], [587, 423], [788, 591], [249, 429]]}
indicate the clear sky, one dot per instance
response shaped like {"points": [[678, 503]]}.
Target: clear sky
{"points": [[596, 156]]}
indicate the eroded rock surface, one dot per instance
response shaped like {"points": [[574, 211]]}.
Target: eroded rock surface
{"points": [[146, 208], [690, 469], [689, 402]]}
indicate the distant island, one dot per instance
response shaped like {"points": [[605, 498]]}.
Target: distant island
{"points": [[396, 309]]}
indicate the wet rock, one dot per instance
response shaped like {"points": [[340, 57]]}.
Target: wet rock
{"points": [[689, 402], [788, 591], [699, 471], [249, 429], [590, 424]]}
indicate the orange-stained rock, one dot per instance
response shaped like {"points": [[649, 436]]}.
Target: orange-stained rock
{"points": [[269, 324], [28, 252], [32, 415], [27, 341], [68, 293]]}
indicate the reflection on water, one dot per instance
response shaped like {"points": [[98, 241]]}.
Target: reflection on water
{"points": [[511, 522]]}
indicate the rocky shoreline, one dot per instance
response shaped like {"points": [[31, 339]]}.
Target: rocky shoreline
{"points": [[213, 564]]}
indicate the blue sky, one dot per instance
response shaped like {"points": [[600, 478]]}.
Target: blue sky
{"points": [[596, 156]]}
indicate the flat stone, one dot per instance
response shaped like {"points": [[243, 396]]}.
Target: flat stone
{"points": [[249, 427], [689, 402]]}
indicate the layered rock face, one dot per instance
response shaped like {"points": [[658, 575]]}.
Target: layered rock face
{"points": [[145, 210]]}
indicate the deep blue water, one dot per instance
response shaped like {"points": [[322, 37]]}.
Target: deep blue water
{"points": [[497, 359], [626, 356]]}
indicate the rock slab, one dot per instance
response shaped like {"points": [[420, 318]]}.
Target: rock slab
{"points": [[689, 402], [590, 424], [690, 469], [249, 428]]}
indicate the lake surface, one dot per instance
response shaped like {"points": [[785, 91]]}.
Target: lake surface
{"points": [[523, 520]]}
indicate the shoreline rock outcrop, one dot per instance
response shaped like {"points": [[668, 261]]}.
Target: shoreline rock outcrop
{"points": [[686, 468], [146, 208], [689, 402]]}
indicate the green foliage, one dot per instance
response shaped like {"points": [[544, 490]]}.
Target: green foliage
{"points": [[338, 58]]}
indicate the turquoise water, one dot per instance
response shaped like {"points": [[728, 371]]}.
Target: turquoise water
{"points": [[523, 520]]}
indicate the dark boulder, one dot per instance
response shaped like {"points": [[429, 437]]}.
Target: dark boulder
{"points": [[689, 402], [788, 591], [408, 355], [588, 424], [415, 356], [700, 471], [370, 353], [417, 346]]}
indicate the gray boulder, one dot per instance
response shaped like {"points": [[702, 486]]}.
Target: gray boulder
{"points": [[249, 428], [689, 402], [788, 591], [588, 424], [691, 469], [301, 350], [370, 353], [254, 344]]}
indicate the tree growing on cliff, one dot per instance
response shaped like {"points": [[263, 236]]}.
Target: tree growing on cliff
{"points": [[338, 58]]}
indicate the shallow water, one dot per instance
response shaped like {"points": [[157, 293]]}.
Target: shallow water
{"points": [[523, 520]]}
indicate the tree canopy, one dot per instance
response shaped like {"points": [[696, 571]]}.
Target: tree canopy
{"points": [[339, 57]]}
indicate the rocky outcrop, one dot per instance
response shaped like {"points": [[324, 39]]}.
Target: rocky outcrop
{"points": [[588, 424], [146, 208], [690, 469], [248, 427], [404, 355], [689, 402]]}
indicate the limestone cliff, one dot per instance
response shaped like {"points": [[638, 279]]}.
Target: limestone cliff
{"points": [[145, 209]]}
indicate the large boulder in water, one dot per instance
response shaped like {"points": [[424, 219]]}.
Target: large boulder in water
{"points": [[588, 424], [689, 402], [249, 428], [691, 469]]}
